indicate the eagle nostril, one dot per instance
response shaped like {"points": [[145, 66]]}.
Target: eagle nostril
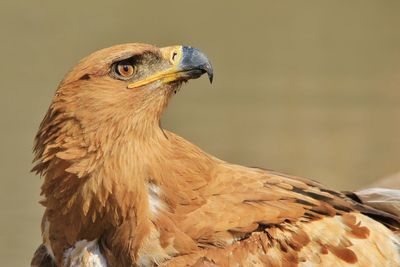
{"points": [[174, 54]]}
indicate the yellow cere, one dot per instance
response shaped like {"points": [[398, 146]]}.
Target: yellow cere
{"points": [[174, 55]]}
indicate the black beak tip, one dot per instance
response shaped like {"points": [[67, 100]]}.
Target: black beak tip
{"points": [[210, 73]]}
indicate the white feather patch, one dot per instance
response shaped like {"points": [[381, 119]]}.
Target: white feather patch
{"points": [[84, 253], [155, 202], [382, 199]]}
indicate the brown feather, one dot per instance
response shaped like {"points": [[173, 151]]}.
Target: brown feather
{"points": [[101, 150]]}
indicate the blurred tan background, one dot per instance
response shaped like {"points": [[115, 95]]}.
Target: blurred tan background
{"points": [[311, 88]]}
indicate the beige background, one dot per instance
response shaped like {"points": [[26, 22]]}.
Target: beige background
{"points": [[305, 87]]}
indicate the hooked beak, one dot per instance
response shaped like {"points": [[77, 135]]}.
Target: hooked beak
{"points": [[186, 63]]}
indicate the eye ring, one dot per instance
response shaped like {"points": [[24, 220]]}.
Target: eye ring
{"points": [[125, 70]]}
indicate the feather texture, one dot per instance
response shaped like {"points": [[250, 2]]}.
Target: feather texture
{"points": [[118, 186]]}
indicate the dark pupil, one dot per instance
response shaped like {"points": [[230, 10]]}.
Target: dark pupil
{"points": [[126, 68]]}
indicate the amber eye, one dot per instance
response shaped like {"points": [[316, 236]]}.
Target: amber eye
{"points": [[125, 70]]}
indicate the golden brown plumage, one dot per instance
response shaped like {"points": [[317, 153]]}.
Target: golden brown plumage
{"points": [[120, 189]]}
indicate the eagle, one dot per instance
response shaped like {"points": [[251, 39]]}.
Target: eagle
{"points": [[119, 190]]}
